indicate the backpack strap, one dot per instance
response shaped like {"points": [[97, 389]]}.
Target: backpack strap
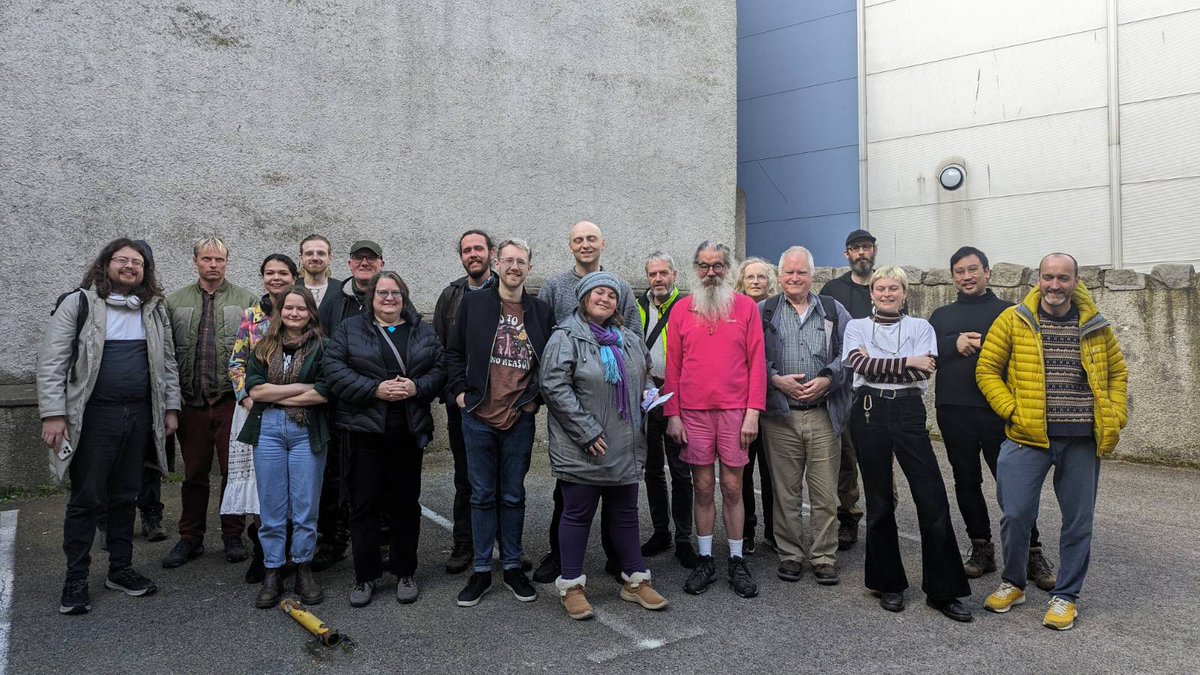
{"points": [[81, 317]]}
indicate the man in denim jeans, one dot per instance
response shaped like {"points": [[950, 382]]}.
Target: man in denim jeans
{"points": [[492, 359]]}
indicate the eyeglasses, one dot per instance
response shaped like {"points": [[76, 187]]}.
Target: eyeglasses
{"points": [[857, 248], [963, 271], [123, 261], [364, 257], [716, 267], [513, 262], [388, 294]]}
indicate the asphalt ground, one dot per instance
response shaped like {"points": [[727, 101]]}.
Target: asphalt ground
{"points": [[1135, 613]]}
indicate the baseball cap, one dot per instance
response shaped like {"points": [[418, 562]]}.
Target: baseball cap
{"points": [[858, 235], [366, 244]]}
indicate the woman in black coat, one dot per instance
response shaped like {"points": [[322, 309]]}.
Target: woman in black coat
{"points": [[385, 367]]}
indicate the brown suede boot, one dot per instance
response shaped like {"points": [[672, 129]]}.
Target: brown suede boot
{"points": [[271, 591], [637, 589], [574, 599], [307, 587]]}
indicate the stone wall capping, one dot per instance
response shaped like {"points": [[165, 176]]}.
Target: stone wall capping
{"points": [[938, 276], [1173, 275], [822, 275], [1010, 275], [1124, 280], [1092, 276]]}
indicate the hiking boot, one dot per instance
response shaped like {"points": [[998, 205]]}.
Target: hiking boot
{"points": [[477, 586], [1039, 570], [326, 557], [847, 536], [825, 574], [548, 569], [361, 592], [516, 581], [658, 542], [574, 598], [75, 598], [790, 570], [235, 549], [307, 587], [1004, 598], [129, 582], [183, 551], [152, 528], [406, 590], [739, 578], [272, 589], [702, 576], [637, 589], [685, 553], [982, 559], [1060, 615], [460, 558]]}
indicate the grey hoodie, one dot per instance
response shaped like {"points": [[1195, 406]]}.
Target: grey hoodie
{"points": [[582, 407]]}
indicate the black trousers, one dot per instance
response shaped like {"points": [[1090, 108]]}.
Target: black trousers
{"points": [[968, 431], [106, 473], [333, 511], [610, 549], [758, 456], [462, 482], [385, 476], [660, 447], [895, 428]]}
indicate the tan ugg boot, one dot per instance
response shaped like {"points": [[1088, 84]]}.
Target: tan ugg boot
{"points": [[637, 589], [574, 599]]}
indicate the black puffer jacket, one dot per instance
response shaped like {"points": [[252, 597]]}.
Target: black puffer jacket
{"points": [[354, 367]]}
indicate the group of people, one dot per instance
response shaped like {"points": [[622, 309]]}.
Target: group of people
{"points": [[314, 398]]}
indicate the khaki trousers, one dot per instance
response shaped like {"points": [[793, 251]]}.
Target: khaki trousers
{"points": [[803, 444]]}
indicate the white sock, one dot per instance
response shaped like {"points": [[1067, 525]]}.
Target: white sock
{"points": [[735, 548], [705, 544]]}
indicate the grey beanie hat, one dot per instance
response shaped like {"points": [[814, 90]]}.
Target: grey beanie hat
{"points": [[594, 280]]}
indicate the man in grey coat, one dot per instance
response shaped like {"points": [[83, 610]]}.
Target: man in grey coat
{"points": [[107, 388], [808, 402]]}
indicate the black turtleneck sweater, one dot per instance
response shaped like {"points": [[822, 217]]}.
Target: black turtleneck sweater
{"points": [[955, 372]]}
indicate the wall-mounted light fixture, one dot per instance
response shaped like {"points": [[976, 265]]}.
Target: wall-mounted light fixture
{"points": [[952, 176]]}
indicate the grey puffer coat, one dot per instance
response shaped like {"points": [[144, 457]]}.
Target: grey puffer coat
{"points": [[582, 407]]}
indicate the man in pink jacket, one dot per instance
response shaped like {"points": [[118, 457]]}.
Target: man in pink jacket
{"points": [[717, 370]]}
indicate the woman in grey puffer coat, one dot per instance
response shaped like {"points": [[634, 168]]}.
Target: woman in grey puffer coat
{"points": [[593, 375]]}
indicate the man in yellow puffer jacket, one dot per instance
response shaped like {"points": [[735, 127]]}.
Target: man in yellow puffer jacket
{"points": [[1052, 368]]}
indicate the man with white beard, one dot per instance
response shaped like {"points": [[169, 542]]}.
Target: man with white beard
{"points": [[716, 369]]}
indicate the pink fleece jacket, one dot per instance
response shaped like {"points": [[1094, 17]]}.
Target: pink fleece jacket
{"points": [[719, 367]]}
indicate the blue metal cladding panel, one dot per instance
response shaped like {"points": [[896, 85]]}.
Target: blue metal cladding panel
{"points": [[798, 125]]}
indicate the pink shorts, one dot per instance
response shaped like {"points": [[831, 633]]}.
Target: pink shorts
{"points": [[712, 434]]}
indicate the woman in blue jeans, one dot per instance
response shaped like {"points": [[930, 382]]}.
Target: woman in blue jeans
{"points": [[593, 374], [288, 428]]}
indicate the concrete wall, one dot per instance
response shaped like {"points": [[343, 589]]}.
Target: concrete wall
{"points": [[403, 122], [1156, 318]]}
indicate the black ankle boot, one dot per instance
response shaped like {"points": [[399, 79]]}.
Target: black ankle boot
{"points": [[271, 591], [307, 587]]}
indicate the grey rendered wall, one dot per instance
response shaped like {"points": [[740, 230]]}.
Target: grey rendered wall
{"points": [[406, 122]]}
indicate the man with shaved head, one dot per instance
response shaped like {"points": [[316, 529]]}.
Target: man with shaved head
{"points": [[586, 243], [1051, 368]]}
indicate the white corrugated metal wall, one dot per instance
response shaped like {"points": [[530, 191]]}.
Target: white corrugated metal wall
{"points": [[1019, 93]]}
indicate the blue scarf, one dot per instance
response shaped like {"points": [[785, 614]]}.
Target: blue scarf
{"points": [[614, 365]]}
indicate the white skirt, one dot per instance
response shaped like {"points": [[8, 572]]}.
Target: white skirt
{"points": [[241, 491]]}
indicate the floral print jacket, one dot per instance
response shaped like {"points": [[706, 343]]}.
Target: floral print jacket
{"points": [[255, 322]]}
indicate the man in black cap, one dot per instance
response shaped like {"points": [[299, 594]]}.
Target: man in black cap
{"points": [[853, 290], [366, 260]]}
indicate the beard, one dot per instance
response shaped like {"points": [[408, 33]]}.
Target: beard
{"points": [[713, 301], [863, 267]]}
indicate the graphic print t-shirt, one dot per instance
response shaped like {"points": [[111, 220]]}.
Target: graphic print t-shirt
{"points": [[510, 370]]}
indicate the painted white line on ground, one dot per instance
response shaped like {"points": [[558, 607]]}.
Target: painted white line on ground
{"points": [[8, 547], [437, 518]]}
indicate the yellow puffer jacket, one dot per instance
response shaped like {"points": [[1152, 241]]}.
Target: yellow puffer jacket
{"points": [[1013, 352]]}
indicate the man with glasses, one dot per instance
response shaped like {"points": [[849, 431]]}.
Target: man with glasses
{"points": [[492, 360], [968, 425], [852, 289], [716, 369], [586, 244], [366, 260]]}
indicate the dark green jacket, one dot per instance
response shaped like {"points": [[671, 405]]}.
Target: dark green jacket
{"points": [[311, 372], [184, 307]]}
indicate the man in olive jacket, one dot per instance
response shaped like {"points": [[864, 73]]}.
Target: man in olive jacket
{"points": [[1051, 368], [204, 320]]}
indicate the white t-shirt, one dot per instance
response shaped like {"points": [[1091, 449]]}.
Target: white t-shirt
{"points": [[908, 337], [318, 292]]}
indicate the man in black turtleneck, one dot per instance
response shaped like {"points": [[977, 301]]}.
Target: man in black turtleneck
{"points": [[964, 417]]}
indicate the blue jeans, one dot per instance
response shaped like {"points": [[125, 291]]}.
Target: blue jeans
{"points": [[1020, 472], [288, 474], [497, 462]]}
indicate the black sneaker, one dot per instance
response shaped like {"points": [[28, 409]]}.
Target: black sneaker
{"points": [[477, 587], [129, 582], [548, 569], [685, 553], [739, 578], [847, 536], [183, 551], [235, 550], [702, 576], [657, 543], [516, 581], [75, 598], [460, 558]]}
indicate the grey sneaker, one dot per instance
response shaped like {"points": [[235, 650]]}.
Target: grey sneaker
{"points": [[406, 590], [360, 595]]}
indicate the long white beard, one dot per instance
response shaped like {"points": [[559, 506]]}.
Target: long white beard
{"points": [[713, 303]]}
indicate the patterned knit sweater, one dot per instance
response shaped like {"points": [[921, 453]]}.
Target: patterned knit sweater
{"points": [[1069, 402]]}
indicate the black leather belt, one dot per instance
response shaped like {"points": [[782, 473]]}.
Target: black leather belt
{"points": [[806, 406], [887, 394]]}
